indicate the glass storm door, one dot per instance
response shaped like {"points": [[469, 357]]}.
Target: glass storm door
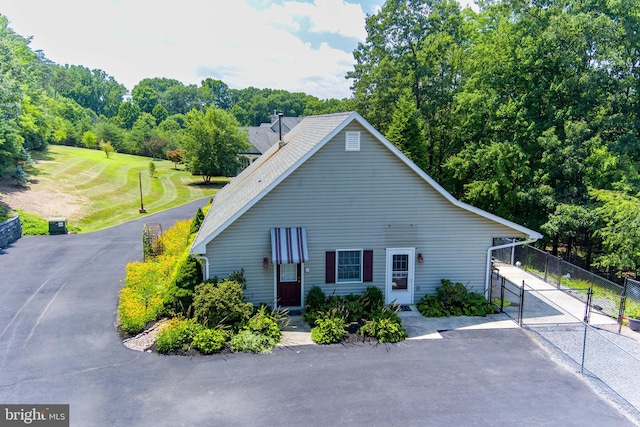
{"points": [[399, 286]]}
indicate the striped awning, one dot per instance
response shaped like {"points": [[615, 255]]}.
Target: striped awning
{"points": [[289, 245]]}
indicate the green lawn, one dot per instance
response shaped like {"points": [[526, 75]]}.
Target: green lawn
{"points": [[110, 186]]}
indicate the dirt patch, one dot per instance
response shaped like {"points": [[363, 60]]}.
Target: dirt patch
{"points": [[39, 198]]}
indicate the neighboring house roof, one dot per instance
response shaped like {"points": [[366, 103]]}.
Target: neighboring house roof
{"points": [[267, 134], [261, 138], [277, 163]]}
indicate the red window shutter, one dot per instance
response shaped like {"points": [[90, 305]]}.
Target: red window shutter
{"points": [[330, 272], [367, 266]]}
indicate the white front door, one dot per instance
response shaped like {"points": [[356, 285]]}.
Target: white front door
{"points": [[399, 282]]}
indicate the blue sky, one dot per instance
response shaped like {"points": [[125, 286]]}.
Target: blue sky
{"points": [[296, 45]]}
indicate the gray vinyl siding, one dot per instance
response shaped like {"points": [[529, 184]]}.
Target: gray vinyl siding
{"points": [[367, 199]]}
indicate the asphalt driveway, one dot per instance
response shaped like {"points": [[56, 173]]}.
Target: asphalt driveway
{"points": [[58, 299]]}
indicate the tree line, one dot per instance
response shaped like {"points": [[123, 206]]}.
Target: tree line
{"points": [[527, 108]]}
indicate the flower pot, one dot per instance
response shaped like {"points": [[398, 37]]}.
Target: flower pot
{"points": [[634, 324]]}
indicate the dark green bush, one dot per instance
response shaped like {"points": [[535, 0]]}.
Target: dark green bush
{"points": [[208, 341], [250, 342], [454, 299], [197, 221], [315, 298], [186, 275], [221, 304], [372, 299], [431, 306]]}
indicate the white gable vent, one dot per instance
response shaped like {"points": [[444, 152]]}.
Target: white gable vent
{"points": [[352, 141]]}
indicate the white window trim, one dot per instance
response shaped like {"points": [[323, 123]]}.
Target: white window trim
{"points": [[352, 141], [361, 266]]}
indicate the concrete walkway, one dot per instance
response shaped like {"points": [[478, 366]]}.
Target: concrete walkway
{"points": [[552, 305]]}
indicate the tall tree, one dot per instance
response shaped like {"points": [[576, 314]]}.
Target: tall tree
{"points": [[213, 141], [92, 89], [414, 47]]}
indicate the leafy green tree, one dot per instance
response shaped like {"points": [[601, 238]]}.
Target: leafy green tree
{"points": [[152, 169], [107, 148], [128, 113], [12, 48], [145, 97], [89, 139], [92, 89], [140, 134], [216, 92], [160, 113], [415, 52], [405, 132], [107, 131], [621, 231], [212, 140]]}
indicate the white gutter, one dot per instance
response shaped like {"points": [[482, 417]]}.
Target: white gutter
{"points": [[205, 265], [493, 248]]}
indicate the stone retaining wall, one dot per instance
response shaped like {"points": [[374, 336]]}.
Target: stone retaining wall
{"points": [[10, 231]]}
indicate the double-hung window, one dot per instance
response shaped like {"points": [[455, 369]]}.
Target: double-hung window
{"points": [[349, 266]]}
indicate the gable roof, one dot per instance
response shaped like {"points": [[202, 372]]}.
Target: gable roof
{"points": [[277, 163]]}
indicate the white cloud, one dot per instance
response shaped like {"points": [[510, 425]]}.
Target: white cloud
{"points": [[332, 16], [192, 39]]}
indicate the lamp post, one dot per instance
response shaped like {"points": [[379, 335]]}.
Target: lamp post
{"points": [[141, 203]]}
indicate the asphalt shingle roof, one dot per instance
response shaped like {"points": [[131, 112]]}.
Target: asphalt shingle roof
{"points": [[263, 174]]}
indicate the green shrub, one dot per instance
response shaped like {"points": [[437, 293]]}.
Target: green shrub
{"points": [[262, 323], [384, 329], [208, 341], [186, 275], [372, 299], [197, 221], [454, 299], [177, 333], [315, 298], [221, 304], [329, 329], [250, 342], [32, 224], [430, 306]]}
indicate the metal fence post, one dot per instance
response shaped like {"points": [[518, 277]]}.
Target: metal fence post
{"points": [[587, 308], [623, 299], [521, 311], [546, 265], [502, 295]]}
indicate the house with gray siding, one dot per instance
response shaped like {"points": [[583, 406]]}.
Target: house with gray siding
{"points": [[336, 205]]}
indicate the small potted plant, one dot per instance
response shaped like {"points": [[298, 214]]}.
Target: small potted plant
{"points": [[633, 316]]}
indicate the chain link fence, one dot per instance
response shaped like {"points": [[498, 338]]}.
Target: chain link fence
{"points": [[565, 322], [605, 296]]}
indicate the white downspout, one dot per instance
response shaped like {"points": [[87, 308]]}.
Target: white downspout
{"points": [[493, 248], [205, 265]]}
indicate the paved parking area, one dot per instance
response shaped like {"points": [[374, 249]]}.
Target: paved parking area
{"points": [[58, 299]]}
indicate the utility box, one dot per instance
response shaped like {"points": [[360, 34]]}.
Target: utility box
{"points": [[58, 225]]}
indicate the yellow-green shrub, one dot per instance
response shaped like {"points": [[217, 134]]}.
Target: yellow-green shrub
{"points": [[136, 309], [176, 239], [145, 284]]}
